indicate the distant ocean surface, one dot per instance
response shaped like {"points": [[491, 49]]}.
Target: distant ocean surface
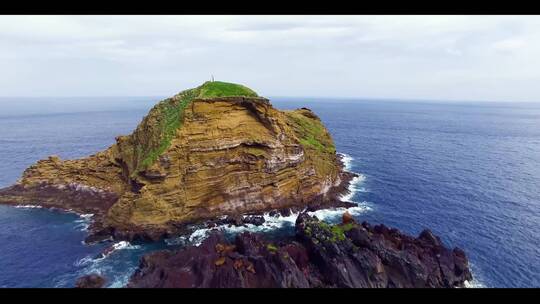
{"points": [[470, 172]]}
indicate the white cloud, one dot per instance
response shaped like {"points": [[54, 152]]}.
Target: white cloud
{"points": [[433, 57]]}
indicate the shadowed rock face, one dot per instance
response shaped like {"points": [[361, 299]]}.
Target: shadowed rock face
{"points": [[197, 155], [346, 255]]}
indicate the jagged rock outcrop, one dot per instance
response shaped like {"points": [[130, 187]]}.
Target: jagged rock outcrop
{"points": [[218, 149], [321, 255], [90, 281]]}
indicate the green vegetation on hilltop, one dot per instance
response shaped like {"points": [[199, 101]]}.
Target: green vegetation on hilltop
{"points": [[312, 132], [167, 116], [222, 89]]}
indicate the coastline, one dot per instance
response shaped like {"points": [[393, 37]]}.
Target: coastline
{"points": [[345, 191], [338, 202]]}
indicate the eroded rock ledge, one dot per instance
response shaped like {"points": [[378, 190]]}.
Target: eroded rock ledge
{"points": [[346, 255]]}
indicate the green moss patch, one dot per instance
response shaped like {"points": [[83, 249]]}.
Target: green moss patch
{"points": [[271, 248], [335, 232], [312, 133]]}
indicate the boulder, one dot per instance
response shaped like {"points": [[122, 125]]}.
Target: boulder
{"points": [[90, 281]]}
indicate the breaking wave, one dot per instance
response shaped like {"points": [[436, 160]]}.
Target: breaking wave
{"points": [[115, 247], [347, 161], [477, 281], [271, 223], [124, 245], [474, 284], [83, 222], [355, 182], [28, 206], [353, 187], [108, 267], [122, 280]]}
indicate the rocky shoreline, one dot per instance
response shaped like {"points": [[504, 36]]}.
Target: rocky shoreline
{"points": [[98, 232], [320, 255]]}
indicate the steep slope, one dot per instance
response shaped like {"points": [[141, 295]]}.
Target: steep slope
{"points": [[218, 149]]}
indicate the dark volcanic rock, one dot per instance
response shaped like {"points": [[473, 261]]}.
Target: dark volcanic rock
{"points": [[364, 256], [90, 281], [237, 220], [256, 220], [346, 255], [249, 262]]}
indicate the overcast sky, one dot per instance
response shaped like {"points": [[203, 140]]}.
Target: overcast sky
{"points": [[411, 57]]}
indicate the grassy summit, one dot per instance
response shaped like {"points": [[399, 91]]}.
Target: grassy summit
{"points": [[221, 89], [159, 127]]}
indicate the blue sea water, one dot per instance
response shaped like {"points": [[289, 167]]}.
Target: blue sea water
{"points": [[468, 171]]}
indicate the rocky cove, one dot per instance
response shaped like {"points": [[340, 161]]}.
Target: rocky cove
{"points": [[211, 155]]}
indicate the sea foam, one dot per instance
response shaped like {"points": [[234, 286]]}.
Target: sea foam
{"points": [[124, 245], [28, 206], [84, 221], [347, 161], [473, 284], [355, 182], [115, 247], [353, 188]]}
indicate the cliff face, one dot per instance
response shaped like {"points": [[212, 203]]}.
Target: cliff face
{"points": [[214, 150]]}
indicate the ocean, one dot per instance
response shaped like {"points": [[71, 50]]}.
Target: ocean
{"points": [[469, 171]]}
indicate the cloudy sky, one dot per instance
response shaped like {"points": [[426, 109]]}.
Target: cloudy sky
{"points": [[408, 57]]}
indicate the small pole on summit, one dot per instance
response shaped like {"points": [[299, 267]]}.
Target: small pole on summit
{"points": [[212, 78]]}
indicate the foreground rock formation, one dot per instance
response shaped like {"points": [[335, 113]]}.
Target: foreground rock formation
{"points": [[218, 149], [346, 255]]}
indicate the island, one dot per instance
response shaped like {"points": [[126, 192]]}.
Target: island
{"points": [[221, 153]]}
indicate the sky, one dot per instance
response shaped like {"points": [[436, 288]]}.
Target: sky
{"points": [[477, 58]]}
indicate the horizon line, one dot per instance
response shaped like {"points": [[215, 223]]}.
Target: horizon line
{"points": [[349, 98]]}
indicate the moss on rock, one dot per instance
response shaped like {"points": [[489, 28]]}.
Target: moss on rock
{"points": [[312, 133]]}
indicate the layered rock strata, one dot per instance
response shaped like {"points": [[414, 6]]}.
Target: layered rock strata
{"points": [[215, 150]]}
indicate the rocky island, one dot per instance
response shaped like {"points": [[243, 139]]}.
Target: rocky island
{"points": [[219, 152]]}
